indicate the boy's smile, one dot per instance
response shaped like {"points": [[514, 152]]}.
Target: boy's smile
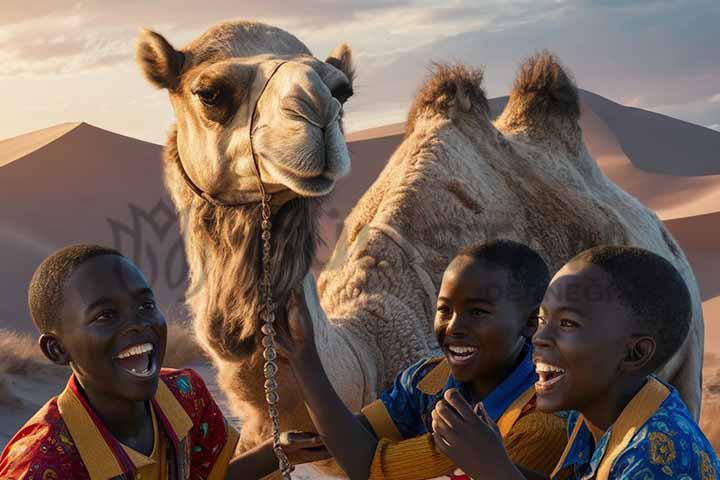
{"points": [[581, 339], [478, 323], [112, 330]]}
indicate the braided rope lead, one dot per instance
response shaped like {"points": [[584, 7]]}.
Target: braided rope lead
{"points": [[269, 353]]}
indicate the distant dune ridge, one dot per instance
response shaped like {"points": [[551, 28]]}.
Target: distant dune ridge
{"points": [[74, 182]]}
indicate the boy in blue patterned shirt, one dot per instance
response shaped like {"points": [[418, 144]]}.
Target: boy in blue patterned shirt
{"points": [[611, 317], [486, 312]]}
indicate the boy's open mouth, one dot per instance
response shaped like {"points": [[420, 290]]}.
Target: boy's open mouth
{"points": [[460, 354], [138, 360], [549, 376]]}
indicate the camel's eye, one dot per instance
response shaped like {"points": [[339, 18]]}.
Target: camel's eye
{"points": [[208, 96]]}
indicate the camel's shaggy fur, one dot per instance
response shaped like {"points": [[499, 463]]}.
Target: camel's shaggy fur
{"points": [[456, 179]]}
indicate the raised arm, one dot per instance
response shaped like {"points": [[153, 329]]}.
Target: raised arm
{"points": [[349, 440]]}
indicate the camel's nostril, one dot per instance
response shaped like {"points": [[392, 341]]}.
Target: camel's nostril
{"points": [[342, 92], [301, 109]]}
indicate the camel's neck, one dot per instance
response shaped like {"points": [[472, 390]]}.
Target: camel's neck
{"points": [[350, 370]]}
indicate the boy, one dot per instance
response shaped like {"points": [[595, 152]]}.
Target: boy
{"points": [[611, 317], [486, 313], [121, 416]]}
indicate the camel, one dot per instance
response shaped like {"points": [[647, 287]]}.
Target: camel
{"points": [[457, 178]]}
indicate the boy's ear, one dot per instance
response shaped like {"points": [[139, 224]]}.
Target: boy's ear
{"points": [[159, 61], [639, 352], [53, 349]]}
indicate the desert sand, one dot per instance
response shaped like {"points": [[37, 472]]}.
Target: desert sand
{"points": [[78, 183]]}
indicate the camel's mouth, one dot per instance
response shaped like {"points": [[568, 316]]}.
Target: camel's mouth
{"points": [[311, 169]]}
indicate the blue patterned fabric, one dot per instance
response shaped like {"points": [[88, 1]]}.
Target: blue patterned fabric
{"points": [[669, 445], [410, 408]]}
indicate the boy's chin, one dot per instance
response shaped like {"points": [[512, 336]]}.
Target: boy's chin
{"points": [[143, 392], [551, 403]]}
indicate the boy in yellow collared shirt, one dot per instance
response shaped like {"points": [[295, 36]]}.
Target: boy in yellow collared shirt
{"points": [[486, 312], [121, 416], [611, 317]]}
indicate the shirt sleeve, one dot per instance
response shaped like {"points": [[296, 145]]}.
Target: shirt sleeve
{"points": [[536, 441], [213, 439], [409, 460], [39, 451], [397, 414]]}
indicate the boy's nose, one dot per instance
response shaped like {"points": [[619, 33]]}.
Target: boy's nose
{"points": [[456, 327], [542, 337]]}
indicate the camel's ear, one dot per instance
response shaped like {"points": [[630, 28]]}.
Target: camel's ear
{"points": [[159, 61], [341, 58]]}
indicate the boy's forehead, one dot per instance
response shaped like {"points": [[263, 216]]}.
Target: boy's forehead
{"points": [[105, 275], [468, 269], [581, 286]]}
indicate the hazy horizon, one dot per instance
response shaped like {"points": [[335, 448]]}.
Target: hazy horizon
{"points": [[74, 62]]}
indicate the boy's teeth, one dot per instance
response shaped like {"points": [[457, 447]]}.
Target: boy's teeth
{"points": [[135, 350], [458, 350], [546, 367]]}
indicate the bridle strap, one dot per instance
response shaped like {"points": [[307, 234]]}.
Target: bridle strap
{"points": [[276, 199]]}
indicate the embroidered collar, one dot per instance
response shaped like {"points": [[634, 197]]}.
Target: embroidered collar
{"points": [[595, 461], [101, 453]]}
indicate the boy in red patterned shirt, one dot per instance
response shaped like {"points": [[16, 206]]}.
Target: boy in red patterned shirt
{"points": [[121, 416]]}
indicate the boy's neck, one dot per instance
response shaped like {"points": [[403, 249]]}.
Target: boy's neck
{"points": [[125, 419], [603, 412], [483, 386]]}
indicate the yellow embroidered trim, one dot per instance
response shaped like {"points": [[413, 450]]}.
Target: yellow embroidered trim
{"points": [[175, 413], [643, 406], [510, 416], [99, 459], [436, 378], [219, 469], [381, 421], [633, 417]]}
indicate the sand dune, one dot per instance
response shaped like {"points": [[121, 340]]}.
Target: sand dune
{"points": [[22, 145]]}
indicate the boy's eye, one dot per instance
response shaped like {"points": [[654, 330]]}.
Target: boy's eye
{"points": [[567, 323], [478, 312], [105, 315], [148, 305], [443, 309]]}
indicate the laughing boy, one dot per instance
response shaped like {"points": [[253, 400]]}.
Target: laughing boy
{"points": [[121, 416]]}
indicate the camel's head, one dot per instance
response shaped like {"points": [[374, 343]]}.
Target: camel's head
{"points": [[237, 68]]}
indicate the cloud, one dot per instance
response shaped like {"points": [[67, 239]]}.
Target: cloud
{"points": [[656, 54], [54, 37]]}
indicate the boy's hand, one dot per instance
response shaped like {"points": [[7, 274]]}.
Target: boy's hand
{"points": [[303, 447], [297, 339], [469, 438]]}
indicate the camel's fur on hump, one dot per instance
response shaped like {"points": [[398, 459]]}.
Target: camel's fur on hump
{"points": [[456, 179]]}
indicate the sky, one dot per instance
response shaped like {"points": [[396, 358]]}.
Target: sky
{"points": [[73, 61]]}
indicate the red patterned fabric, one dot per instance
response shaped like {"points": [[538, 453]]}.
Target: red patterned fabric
{"points": [[46, 448]]}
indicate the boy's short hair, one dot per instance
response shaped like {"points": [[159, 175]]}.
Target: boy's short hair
{"points": [[652, 288], [525, 266], [45, 294]]}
